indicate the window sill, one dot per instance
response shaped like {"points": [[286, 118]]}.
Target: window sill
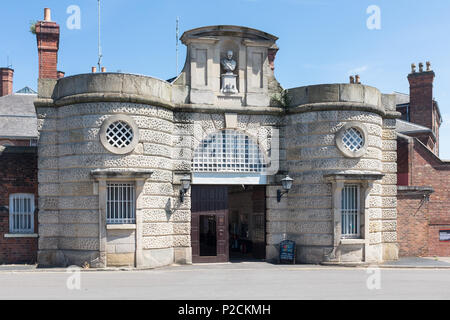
{"points": [[120, 226], [20, 235], [353, 241]]}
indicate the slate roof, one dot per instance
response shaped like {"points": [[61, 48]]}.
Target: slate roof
{"points": [[27, 90], [401, 98], [406, 127], [18, 116]]}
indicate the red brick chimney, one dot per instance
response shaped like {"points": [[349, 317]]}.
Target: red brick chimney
{"points": [[423, 110], [6, 81], [47, 35]]}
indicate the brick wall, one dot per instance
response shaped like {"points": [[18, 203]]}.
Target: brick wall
{"points": [[6, 81], [47, 35], [437, 247], [412, 225], [419, 221], [421, 98], [18, 174]]}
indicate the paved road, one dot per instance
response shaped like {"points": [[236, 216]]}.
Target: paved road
{"points": [[229, 281]]}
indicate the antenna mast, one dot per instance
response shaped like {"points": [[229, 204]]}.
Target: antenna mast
{"points": [[100, 55], [177, 36]]}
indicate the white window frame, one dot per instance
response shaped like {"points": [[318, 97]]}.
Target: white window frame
{"points": [[229, 151], [351, 211], [120, 206], [21, 218]]}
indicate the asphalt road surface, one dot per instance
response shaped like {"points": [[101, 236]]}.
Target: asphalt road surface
{"points": [[235, 281]]}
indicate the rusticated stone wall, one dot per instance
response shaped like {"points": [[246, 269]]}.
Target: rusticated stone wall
{"points": [[311, 154], [69, 148], [306, 214]]}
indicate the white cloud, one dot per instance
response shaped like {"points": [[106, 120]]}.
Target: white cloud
{"points": [[357, 70]]}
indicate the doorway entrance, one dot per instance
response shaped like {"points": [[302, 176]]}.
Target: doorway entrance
{"points": [[228, 223]]}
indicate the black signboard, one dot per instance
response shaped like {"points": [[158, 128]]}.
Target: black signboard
{"points": [[287, 251], [444, 235]]}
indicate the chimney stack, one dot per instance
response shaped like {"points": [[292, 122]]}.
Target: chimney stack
{"points": [[422, 108], [103, 69], [47, 15], [47, 35], [94, 69], [6, 81]]}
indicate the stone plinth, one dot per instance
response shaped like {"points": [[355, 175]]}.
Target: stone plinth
{"points": [[229, 83]]}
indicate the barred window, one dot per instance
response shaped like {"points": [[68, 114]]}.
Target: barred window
{"points": [[228, 151], [350, 211], [21, 213], [120, 203]]}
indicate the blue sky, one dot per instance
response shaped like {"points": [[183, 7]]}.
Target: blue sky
{"points": [[321, 41]]}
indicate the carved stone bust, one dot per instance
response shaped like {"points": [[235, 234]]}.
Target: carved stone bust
{"points": [[228, 64]]}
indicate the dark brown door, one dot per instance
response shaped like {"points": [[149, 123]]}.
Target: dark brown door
{"points": [[259, 222], [209, 224]]}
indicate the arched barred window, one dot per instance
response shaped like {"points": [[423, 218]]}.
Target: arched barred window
{"points": [[228, 151]]}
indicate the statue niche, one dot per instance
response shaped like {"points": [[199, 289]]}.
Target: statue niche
{"points": [[228, 77]]}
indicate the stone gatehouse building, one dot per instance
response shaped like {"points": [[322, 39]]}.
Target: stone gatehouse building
{"points": [[138, 171]]}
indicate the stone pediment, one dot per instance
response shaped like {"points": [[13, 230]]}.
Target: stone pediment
{"points": [[227, 31], [229, 66]]}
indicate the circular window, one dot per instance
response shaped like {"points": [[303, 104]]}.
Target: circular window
{"points": [[351, 140], [119, 134]]}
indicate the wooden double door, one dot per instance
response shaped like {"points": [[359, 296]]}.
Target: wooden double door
{"points": [[209, 224]]}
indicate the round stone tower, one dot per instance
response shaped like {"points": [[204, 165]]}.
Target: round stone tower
{"points": [[340, 146], [106, 174]]}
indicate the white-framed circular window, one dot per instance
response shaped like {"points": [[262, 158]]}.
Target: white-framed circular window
{"points": [[351, 140], [119, 134]]}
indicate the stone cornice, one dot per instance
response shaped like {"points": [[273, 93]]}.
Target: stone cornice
{"points": [[100, 174], [414, 190], [240, 109], [344, 106], [154, 101], [353, 176]]}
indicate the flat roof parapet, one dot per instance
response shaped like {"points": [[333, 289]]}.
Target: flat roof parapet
{"points": [[105, 87], [338, 96]]}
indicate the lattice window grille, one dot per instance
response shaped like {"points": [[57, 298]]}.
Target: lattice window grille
{"points": [[350, 211], [353, 139], [120, 203], [228, 151], [119, 134]]}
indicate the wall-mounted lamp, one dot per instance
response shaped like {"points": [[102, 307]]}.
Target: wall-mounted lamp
{"points": [[287, 185], [185, 184]]}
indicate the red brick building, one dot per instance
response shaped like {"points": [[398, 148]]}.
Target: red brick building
{"points": [[18, 173], [423, 178], [18, 153]]}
